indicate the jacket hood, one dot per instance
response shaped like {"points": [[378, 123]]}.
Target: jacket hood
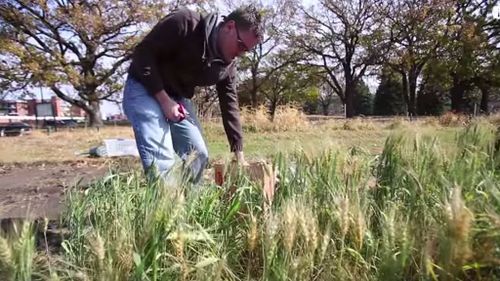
{"points": [[210, 49]]}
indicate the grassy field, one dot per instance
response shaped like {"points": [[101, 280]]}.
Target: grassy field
{"points": [[262, 139], [392, 201]]}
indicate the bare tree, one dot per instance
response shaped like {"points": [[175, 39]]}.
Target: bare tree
{"points": [[12, 80], [472, 53], [326, 98], [206, 102], [287, 84], [417, 31], [78, 49], [259, 66], [343, 37]]}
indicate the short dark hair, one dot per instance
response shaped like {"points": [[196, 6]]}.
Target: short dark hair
{"points": [[248, 18]]}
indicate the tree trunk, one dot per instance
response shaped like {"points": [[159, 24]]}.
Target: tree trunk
{"points": [[457, 95], [272, 110], [485, 98], [255, 89], [255, 103], [350, 91], [404, 82], [94, 113], [324, 108], [412, 87]]}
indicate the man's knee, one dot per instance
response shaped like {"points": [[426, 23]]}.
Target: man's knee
{"points": [[196, 155], [159, 164], [202, 155]]}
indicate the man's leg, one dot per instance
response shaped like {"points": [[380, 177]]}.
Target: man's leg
{"points": [[188, 142], [151, 129]]}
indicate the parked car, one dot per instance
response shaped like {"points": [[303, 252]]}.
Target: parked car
{"points": [[15, 128], [71, 123], [59, 123]]}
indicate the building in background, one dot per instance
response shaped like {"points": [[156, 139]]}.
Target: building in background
{"points": [[14, 108], [116, 117], [34, 109], [45, 108], [75, 111]]}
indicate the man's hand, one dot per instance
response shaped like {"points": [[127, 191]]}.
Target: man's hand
{"points": [[171, 109]]}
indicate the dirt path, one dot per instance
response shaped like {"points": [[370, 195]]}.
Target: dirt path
{"points": [[37, 190]]}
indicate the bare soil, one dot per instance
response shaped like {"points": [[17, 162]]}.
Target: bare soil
{"points": [[37, 190]]}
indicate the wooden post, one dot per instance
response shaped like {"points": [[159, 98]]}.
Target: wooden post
{"points": [[259, 172], [219, 170]]}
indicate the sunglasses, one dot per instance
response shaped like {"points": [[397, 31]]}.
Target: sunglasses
{"points": [[241, 44]]}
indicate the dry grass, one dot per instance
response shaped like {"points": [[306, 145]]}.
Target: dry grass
{"points": [[289, 131], [495, 119], [287, 118], [450, 119], [58, 146], [358, 124], [398, 123]]}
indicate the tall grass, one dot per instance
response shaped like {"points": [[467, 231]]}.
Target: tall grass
{"points": [[415, 212], [286, 118]]}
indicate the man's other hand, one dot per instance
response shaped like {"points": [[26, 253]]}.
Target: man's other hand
{"points": [[171, 109]]}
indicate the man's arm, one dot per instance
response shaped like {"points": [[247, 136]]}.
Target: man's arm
{"points": [[162, 41], [228, 100]]}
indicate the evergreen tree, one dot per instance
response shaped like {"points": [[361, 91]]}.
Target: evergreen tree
{"points": [[389, 96], [363, 100]]}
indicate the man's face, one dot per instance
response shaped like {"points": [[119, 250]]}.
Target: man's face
{"points": [[235, 42]]}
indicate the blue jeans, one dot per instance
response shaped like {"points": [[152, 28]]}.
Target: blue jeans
{"points": [[158, 139]]}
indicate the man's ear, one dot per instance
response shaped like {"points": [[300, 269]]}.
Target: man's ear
{"points": [[230, 24]]}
